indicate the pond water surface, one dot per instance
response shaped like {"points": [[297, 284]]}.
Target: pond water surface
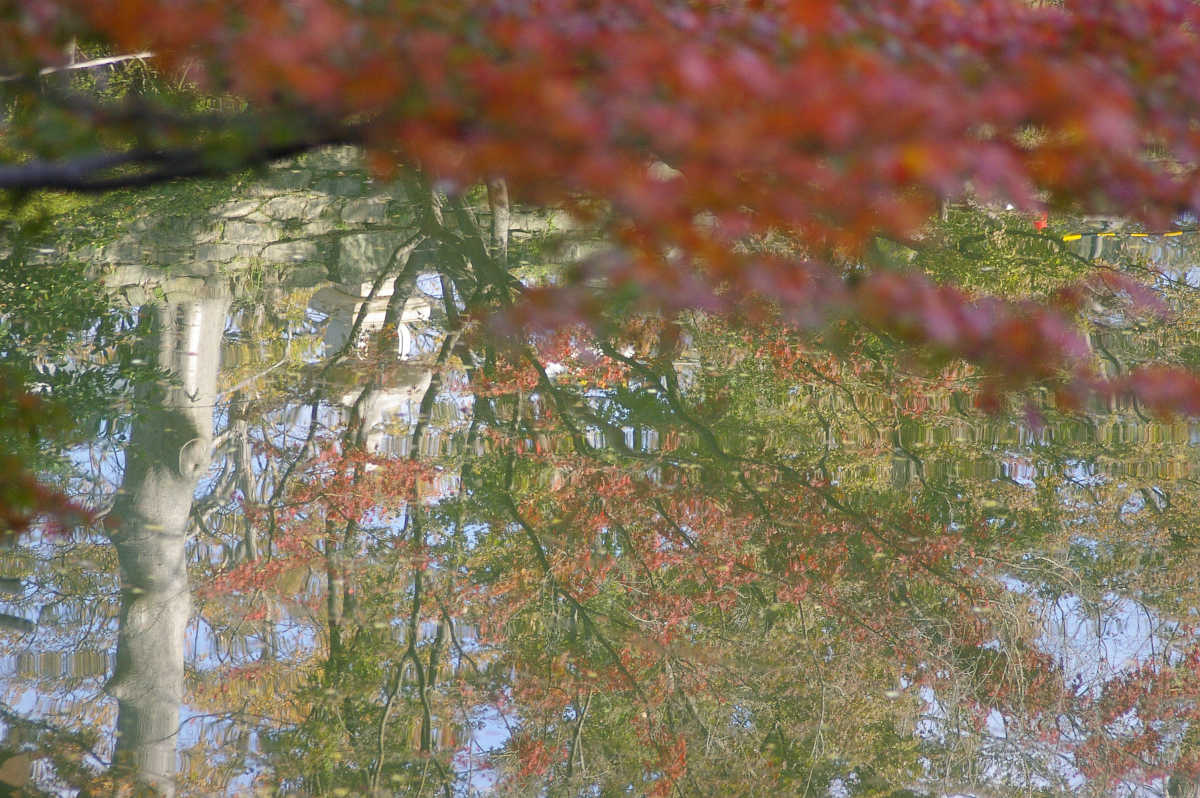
{"points": [[347, 538]]}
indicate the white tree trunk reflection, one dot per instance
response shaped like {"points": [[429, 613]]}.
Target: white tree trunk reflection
{"points": [[169, 451]]}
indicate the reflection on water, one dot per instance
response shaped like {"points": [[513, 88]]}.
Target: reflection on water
{"points": [[349, 543]]}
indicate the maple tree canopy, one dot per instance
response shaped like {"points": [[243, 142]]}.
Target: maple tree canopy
{"points": [[691, 131]]}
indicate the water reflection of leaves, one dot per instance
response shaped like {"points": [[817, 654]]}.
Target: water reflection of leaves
{"points": [[710, 555]]}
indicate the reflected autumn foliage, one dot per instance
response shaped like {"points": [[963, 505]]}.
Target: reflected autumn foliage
{"points": [[729, 553], [675, 553]]}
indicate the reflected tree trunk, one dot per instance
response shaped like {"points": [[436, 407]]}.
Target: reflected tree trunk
{"points": [[169, 451], [497, 190]]}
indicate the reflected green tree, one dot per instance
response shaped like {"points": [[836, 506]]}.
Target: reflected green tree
{"points": [[680, 555]]}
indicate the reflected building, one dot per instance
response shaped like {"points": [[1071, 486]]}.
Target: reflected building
{"points": [[375, 405]]}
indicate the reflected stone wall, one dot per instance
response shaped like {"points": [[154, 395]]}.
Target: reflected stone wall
{"points": [[317, 217]]}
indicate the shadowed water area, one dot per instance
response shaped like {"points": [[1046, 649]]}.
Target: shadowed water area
{"points": [[355, 530]]}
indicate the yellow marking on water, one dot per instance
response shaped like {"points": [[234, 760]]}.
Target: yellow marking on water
{"points": [[1077, 236]]}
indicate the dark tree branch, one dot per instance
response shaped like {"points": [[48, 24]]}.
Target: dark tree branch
{"points": [[94, 173]]}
